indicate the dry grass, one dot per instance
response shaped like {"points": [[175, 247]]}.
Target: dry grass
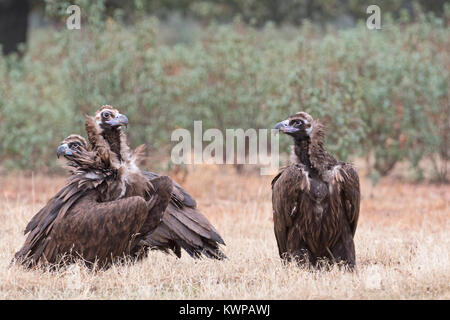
{"points": [[402, 244]]}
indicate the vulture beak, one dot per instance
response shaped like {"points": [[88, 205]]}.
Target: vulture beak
{"points": [[63, 149], [120, 120], [284, 127]]}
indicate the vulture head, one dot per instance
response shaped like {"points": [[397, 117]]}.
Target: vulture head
{"points": [[106, 137], [71, 145], [109, 119], [299, 126]]}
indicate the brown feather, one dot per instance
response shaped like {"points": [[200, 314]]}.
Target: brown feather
{"points": [[75, 224], [315, 201], [182, 224]]}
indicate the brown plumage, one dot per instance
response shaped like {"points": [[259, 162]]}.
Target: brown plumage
{"points": [[183, 225], [76, 223], [315, 199]]}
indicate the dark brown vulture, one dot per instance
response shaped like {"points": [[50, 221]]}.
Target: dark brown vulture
{"points": [[315, 199], [183, 225], [78, 223]]}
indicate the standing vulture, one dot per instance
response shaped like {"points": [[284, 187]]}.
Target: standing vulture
{"points": [[315, 199], [77, 223], [182, 225]]}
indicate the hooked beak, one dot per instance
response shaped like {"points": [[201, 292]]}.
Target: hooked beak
{"points": [[284, 127], [64, 149], [120, 120]]}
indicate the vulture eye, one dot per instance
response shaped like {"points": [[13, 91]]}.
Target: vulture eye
{"points": [[106, 114], [296, 123], [74, 145]]}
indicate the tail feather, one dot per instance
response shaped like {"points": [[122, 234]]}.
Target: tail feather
{"points": [[196, 240], [184, 226]]}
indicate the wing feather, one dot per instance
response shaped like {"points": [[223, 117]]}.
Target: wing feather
{"points": [[351, 195], [177, 227], [95, 230], [180, 197], [288, 188], [100, 230], [183, 225]]}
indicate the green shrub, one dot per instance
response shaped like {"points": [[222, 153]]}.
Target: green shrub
{"points": [[383, 94]]}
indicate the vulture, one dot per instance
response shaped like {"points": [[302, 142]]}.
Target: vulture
{"points": [[315, 199], [81, 221], [183, 226]]}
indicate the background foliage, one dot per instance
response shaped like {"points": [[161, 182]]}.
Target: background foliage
{"points": [[383, 94]]}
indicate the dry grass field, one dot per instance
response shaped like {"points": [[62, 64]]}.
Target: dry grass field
{"points": [[402, 245]]}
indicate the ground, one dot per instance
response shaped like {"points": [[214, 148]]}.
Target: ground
{"points": [[402, 246]]}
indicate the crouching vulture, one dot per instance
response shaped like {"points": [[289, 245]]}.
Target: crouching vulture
{"points": [[81, 220], [183, 225], [315, 199]]}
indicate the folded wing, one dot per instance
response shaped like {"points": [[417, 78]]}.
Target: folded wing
{"points": [[184, 226], [74, 224]]}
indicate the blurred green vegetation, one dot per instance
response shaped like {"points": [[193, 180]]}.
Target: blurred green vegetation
{"points": [[384, 94]]}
